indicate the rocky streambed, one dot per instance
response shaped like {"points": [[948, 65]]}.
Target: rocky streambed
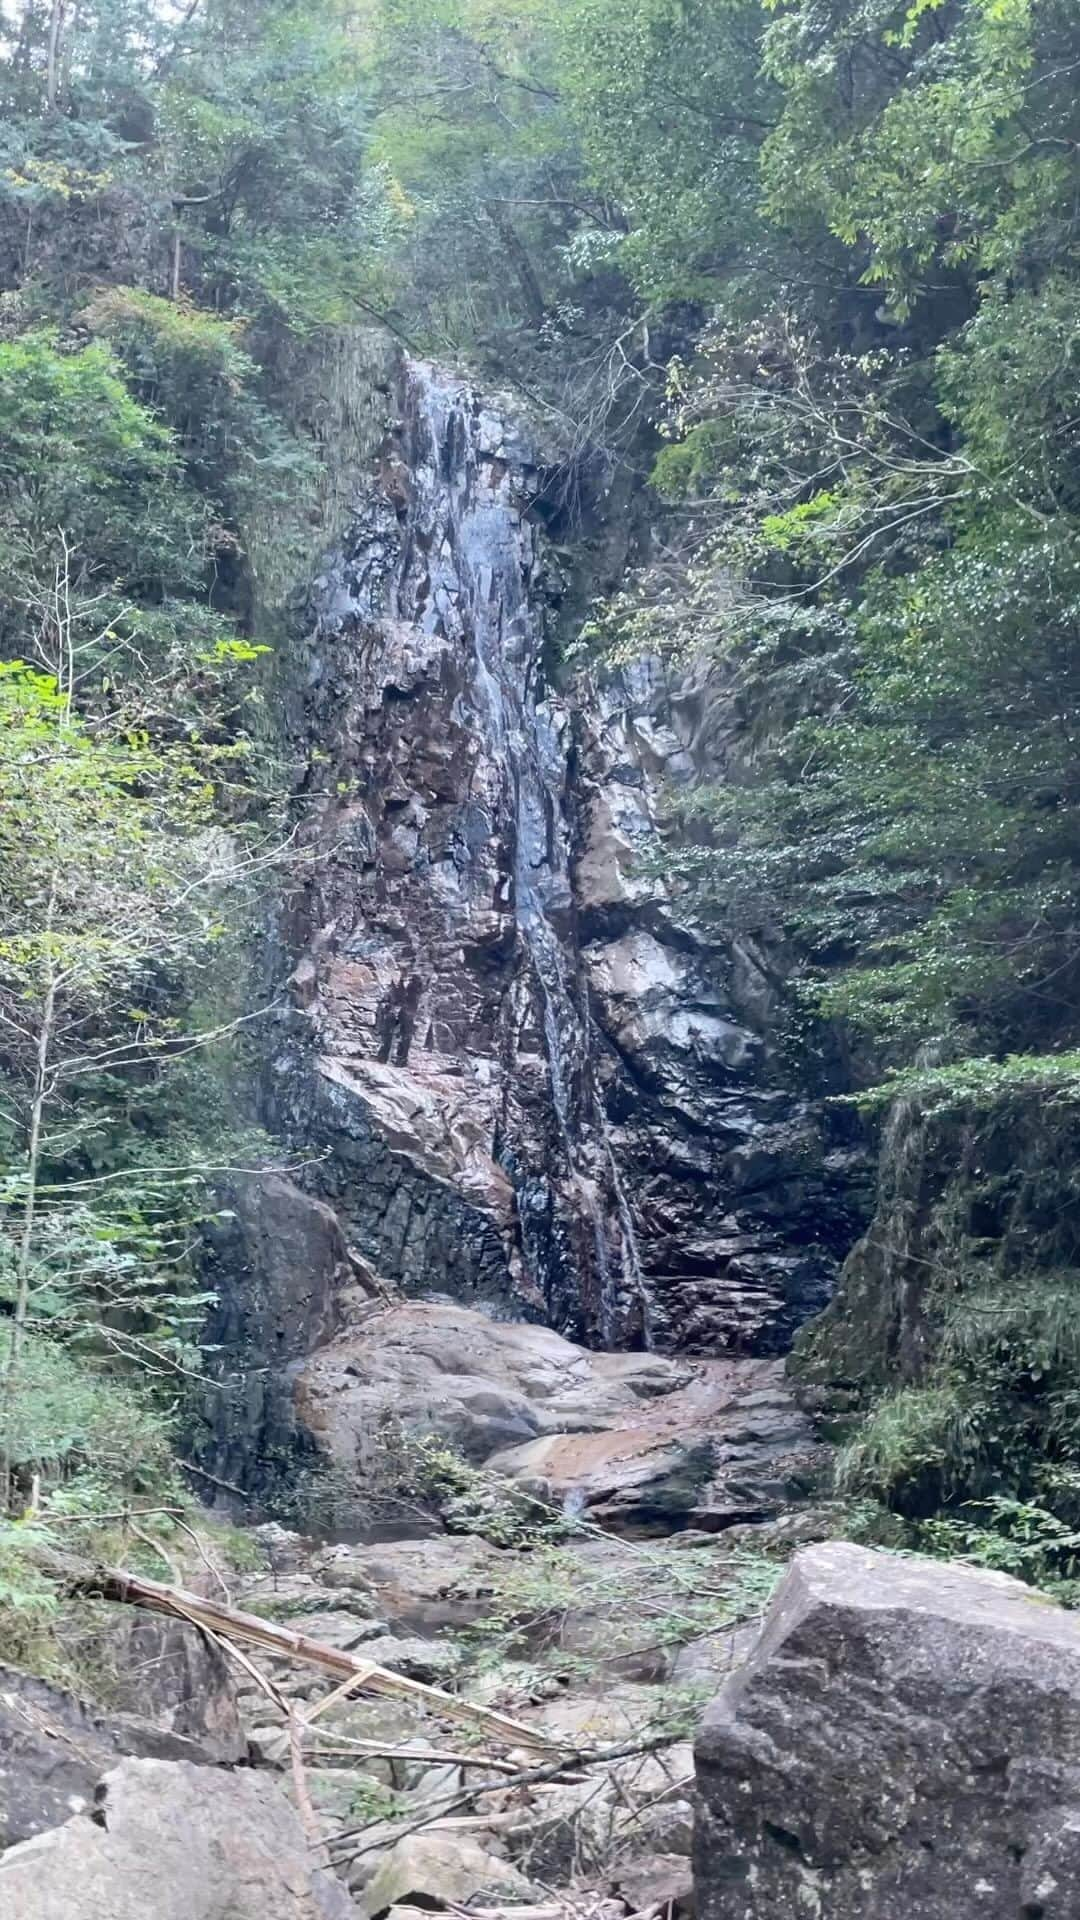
{"points": [[572, 1540], [584, 1724], [616, 1504]]}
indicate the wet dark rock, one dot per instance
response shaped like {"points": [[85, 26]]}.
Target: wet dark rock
{"points": [[904, 1739], [532, 1082], [285, 1280]]}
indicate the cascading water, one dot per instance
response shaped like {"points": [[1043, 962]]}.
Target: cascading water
{"points": [[471, 577], [516, 1077]]}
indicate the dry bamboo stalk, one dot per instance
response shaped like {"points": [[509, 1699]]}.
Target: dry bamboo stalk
{"points": [[264, 1684], [309, 1819], [334, 1698], [116, 1583]]}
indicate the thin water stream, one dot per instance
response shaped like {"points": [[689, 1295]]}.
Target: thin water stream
{"points": [[474, 577]]}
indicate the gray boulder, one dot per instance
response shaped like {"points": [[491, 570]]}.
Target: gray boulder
{"points": [[54, 1749], [174, 1842], [903, 1741], [169, 1673], [440, 1870]]}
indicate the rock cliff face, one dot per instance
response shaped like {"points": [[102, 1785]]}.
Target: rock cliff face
{"points": [[532, 1082], [977, 1203]]}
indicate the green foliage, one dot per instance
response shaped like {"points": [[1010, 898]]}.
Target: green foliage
{"points": [[29, 1602], [976, 1083], [832, 247], [1018, 1537], [907, 1449], [631, 1600], [70, 1414], [671, 102], [264, 125], [873, 459], [957, 1322], [467, 1499], [134, 437], [83, 466]]}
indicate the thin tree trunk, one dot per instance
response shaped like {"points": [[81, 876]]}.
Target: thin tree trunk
{"points": [[24, 1262], [531, 289], [56, 38], [9, 1384], [20, 59], [70, 40]]}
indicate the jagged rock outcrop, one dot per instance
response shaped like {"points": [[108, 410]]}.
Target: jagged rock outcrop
{"points": [[741, 1196], [904, 1739], [177, 1842], [532, 1083]]}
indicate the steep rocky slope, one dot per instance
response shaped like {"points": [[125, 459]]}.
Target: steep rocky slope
{"points": [[533, 1081]]}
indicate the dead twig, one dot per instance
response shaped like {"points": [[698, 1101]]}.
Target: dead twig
{"points": [[426, 1756], [309, 1819], [566, 1771]]}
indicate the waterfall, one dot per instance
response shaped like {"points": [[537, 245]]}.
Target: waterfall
{"points": [[518, 1077], [472, 575]]}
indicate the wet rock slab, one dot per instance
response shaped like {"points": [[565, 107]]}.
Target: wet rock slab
{"points": [[641, 1442], [725, 1447], [903, 1741]]}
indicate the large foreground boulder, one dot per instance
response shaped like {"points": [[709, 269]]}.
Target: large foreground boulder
{"points": [[169, 1841], [903, 1742], [54, 1749]]}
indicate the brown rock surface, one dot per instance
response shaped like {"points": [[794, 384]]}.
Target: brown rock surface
{"points": [[640, 1441], [722, 1448]]}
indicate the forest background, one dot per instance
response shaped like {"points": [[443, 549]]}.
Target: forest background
{"points": [[807, 270]]}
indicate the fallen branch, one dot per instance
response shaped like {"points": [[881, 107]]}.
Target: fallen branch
{"points": [[228, 1623], [462, 1798], [428, 1756], [227, 1486]]}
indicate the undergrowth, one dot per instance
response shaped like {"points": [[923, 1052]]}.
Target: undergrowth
{"points": [[578, 1611]]}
